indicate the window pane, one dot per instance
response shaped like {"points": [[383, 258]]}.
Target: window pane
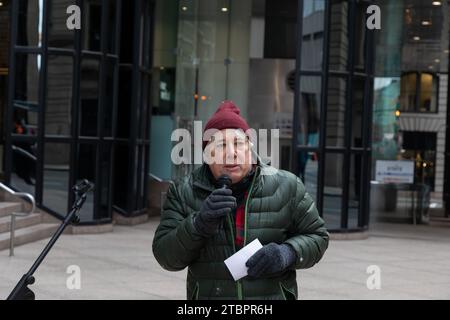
{"points": [[408, 93], [339, 42], [308, 168], [89, 94], [26, 94], [92, 23], [121, 160], [124, 102], [86, 160], [23, 176], [332, 191], [357, 112], [280, 29], [335, 124], [29, 24], [355, 190], [428, 93], [312, 40], [110, 96], [360, 33], [105, 174], [59, 95], [309, 115], [5, 25], [56, 176], [59, 35], [111, 45]]}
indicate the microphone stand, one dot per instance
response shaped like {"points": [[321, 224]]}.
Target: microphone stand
{"points": [[21, 290]]}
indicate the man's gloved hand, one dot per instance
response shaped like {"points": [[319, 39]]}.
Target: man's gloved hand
{"points": [[271, 258], [218, 204]]}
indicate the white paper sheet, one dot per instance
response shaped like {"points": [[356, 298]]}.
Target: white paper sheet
{"points": [[236, 263]]}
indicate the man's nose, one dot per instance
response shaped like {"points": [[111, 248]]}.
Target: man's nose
{"points": [[231, 151]]}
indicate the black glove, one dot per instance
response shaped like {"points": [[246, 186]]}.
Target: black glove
{"points": [[271, 258], [218, 204]]}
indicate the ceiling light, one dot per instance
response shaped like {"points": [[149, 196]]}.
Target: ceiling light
{"points": [[224, 9], [426, 23], [1, 4], [446, 51], [430, 67], [416, 38], [436, 3], [437, 60], [184, 8]]}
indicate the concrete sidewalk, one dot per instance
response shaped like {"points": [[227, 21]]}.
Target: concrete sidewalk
{"points": [[414, 263]]}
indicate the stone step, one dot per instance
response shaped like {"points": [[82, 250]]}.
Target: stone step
{"points": [[21, 222], [6, 208], [28, 234]]}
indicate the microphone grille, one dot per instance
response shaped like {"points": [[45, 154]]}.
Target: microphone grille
{"points": [[224, 180]]}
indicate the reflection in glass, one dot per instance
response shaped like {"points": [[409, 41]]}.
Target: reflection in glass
{"points": [[110, 97], [312, 40], [89, 94], [105, 174], [335, 124], [339, 40], [357, 111], [26, 95], [23, 175], [59, 36], [86, 160], [56, 176], [309, 115], [29, 24], [354, 190], [59, 95], [308, 171], [111, 38], [332, 191], [419, 92], [121, 160], [408, 92], [428, 93]]}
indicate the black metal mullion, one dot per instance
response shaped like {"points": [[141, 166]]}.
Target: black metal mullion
{"points": [[14, 12], [42, 108], [111, 185], [75, 109], [131, 183], [297, 97], [364, 206], [99, 146], [348, 114], [323, 108]]}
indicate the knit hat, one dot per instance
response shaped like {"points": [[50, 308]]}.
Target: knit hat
{"points": [[227, 116]]}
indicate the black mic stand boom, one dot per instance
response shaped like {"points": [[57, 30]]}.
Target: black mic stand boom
{"points": [[21, 290]]}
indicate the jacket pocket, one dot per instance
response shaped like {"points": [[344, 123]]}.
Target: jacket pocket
{"points": [[287, 293]]}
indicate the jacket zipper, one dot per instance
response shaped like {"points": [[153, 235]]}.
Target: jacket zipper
{"points": [[246, 209], [238, 283]]}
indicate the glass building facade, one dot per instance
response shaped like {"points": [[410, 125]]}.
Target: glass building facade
{"points": [[101, 102], [78, 104]]}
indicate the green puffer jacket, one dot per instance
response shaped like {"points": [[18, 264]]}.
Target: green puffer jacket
{"points": [[277, 209]]}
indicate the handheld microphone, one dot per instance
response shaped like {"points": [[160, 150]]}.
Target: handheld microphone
{"points": [[224, 181]]}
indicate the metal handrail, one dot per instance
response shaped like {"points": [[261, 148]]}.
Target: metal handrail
{"points": [[30, 198]]}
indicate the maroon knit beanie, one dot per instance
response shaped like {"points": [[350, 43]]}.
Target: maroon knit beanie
{"points": [[227, 116]]}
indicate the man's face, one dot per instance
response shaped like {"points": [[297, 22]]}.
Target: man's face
{"points": [[231, 153]]}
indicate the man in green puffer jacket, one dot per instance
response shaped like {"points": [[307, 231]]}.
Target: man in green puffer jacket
{"points": [[203, 224]]}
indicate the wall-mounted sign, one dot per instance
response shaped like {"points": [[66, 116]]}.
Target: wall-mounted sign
{"points": [[394, 171]]}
